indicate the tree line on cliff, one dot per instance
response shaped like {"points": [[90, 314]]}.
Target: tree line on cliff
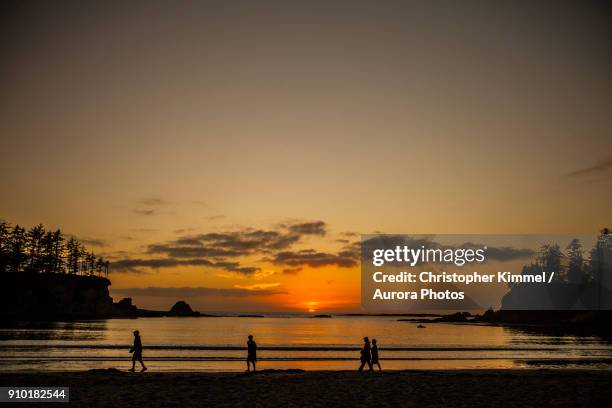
{"points": [[582, 280], [572, 266], [37, 250]]}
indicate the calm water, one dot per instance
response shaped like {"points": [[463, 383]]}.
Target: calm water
{"points": [[218, 344]]}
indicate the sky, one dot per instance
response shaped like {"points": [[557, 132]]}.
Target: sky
{"points": [[238, 149]]}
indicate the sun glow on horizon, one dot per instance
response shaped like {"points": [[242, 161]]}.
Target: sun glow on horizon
{"points": [[311, 305]]}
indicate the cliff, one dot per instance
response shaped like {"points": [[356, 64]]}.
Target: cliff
{"points": [[52, 296]]}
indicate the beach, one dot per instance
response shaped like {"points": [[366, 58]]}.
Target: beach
{"points": [[293, 388]]}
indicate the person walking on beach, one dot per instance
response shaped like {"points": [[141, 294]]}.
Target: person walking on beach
{"points": [[366, 354], [374, 352], [252, 353], [136, 351]]}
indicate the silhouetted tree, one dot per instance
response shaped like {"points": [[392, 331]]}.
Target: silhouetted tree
{"points": [[594, 276], [17, 242], [34, 245], [99, 266], [575, 270], [47, 261], [550, 259], [531, 269], [90, 260], [58, 252], [600, 255], [72, 256], [601, 261], [38, 250], [5, 247], [82, 259]]}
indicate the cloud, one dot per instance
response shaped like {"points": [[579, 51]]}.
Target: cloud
{"points": [[222, 249], [114, 254], [216, 217], [292, 271], [144, 230], [258, 286], [309, 228], [263, 273], [315, 259], [235, 267], [135, 265], [92, 242], [186, 292], [249, 241], [504, 253], [142, 211], [153, 201], [183, 230], [149, 203], [233, 244], [590, 170], [190, 251]]}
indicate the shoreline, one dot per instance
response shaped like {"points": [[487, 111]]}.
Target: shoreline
{"points": [[268, 388], [267, 371]]}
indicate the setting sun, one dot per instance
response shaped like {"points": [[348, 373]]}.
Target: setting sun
{"points": [[311, 306]]}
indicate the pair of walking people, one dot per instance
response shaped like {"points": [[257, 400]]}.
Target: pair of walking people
{"points": [[369, 354]]}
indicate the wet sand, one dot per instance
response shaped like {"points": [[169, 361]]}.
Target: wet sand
{"points": [[294, 388]]}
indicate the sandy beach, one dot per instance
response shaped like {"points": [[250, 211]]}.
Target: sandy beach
{"points": [[465, 388]]}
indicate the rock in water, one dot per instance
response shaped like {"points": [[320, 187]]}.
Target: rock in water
{"points": [[181, 308]]}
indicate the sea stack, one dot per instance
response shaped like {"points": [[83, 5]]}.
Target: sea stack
{"points": [[182, 309]]}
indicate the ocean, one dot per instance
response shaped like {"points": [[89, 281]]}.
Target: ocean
{"points": [[301, 342]]}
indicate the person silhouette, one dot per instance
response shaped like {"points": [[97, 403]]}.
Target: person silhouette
{"points": [[136, 351], [251, 353], [366, 354], [374, 352]]}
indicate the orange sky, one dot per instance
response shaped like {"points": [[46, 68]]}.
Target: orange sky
{"points": [[139, 124]]}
